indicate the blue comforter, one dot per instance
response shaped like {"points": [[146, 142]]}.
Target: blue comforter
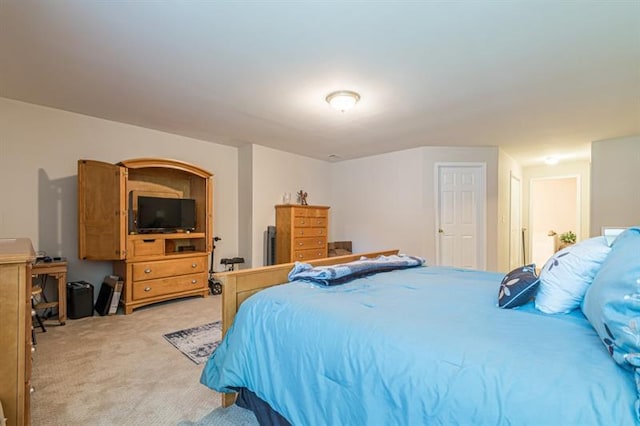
{"points": [[426, 345]]}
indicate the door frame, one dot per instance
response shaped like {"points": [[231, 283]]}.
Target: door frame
{"points": [[578, 231], [522, 259], [482, 221]]}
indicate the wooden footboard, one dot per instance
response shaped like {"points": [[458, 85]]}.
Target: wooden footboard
{"points": [[237, 286]]}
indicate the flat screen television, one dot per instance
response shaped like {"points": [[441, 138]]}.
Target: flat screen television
{"points": [[159, 215]]}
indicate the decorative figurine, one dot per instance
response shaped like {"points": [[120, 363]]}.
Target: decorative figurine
{"points": [[302, 197]]}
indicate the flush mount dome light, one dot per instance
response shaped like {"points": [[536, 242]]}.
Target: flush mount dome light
{"points": [[551, 160], [343, 100]]}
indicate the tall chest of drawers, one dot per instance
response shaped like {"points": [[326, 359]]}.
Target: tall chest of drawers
{"points": [[301, 232], [16, 257]]}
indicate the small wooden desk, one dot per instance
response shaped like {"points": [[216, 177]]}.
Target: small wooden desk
{"points": [[57, 270]]}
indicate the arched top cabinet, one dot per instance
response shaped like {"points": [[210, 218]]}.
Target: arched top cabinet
{"points": [[108, 227], [163, 163]]}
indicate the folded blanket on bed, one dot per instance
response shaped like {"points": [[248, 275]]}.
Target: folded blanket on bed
{"points": [[340, 274]]}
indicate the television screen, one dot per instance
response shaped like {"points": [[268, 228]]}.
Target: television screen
{"points": [[165, 214]]}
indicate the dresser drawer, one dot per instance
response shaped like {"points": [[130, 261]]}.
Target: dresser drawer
{"points": [[308, 243], [310, 212], [168, 268], [309, 232], [310, 221], [309, 254], [149, 247], [163, 286]]}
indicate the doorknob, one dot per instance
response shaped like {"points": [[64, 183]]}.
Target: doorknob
{"points": [[441, 231]]}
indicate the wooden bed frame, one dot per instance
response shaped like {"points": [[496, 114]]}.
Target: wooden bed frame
{"points": [[237, 286]]}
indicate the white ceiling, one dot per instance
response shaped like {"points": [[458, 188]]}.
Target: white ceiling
{"points": [[535, 77]]}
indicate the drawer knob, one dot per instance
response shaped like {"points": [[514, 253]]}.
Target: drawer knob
{"points": [[302, 222], [194, 265], [33, 349], [147, 289], [299, 244], [32, 389], [194, 281], [147, 271]]}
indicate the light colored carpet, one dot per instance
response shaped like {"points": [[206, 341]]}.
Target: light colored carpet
{"points": [[120, 370], [231, 416]]}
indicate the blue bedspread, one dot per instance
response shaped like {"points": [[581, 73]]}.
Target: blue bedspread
{"points": [[426, 345]]}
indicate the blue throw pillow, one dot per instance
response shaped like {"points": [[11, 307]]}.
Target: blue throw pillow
{"points": [[566, 276], [612, 302], [518, 287]]}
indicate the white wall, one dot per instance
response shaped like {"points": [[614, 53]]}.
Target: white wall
{"points": [[387, 201], [615, 183], [379, 202], [39, 150], [245, 205], [274, 173]]}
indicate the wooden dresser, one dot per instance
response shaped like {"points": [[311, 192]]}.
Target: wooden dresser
{"points": [[301, 232], [16, 256]]}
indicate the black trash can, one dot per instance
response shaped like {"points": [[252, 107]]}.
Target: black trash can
{"points": [[79, 299]]}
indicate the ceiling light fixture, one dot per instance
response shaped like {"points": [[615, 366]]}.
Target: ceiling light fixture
{"points": [[551, 161], [342, 100]]}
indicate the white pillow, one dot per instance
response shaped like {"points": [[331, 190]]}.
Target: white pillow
{"points": [[565, 278]]}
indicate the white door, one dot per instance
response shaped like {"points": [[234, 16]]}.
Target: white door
{"points": [[460, 240], [515, 224]]}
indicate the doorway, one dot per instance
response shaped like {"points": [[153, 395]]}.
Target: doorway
{"points": [[553, 209], [461, 215]]}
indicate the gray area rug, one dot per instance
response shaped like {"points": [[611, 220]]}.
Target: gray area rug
{"points": [[197, 343]]}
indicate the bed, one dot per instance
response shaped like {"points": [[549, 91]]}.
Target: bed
{"points": [[424, 345]]}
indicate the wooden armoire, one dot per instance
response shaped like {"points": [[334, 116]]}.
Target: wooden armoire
{"points": [[155, 266]]}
